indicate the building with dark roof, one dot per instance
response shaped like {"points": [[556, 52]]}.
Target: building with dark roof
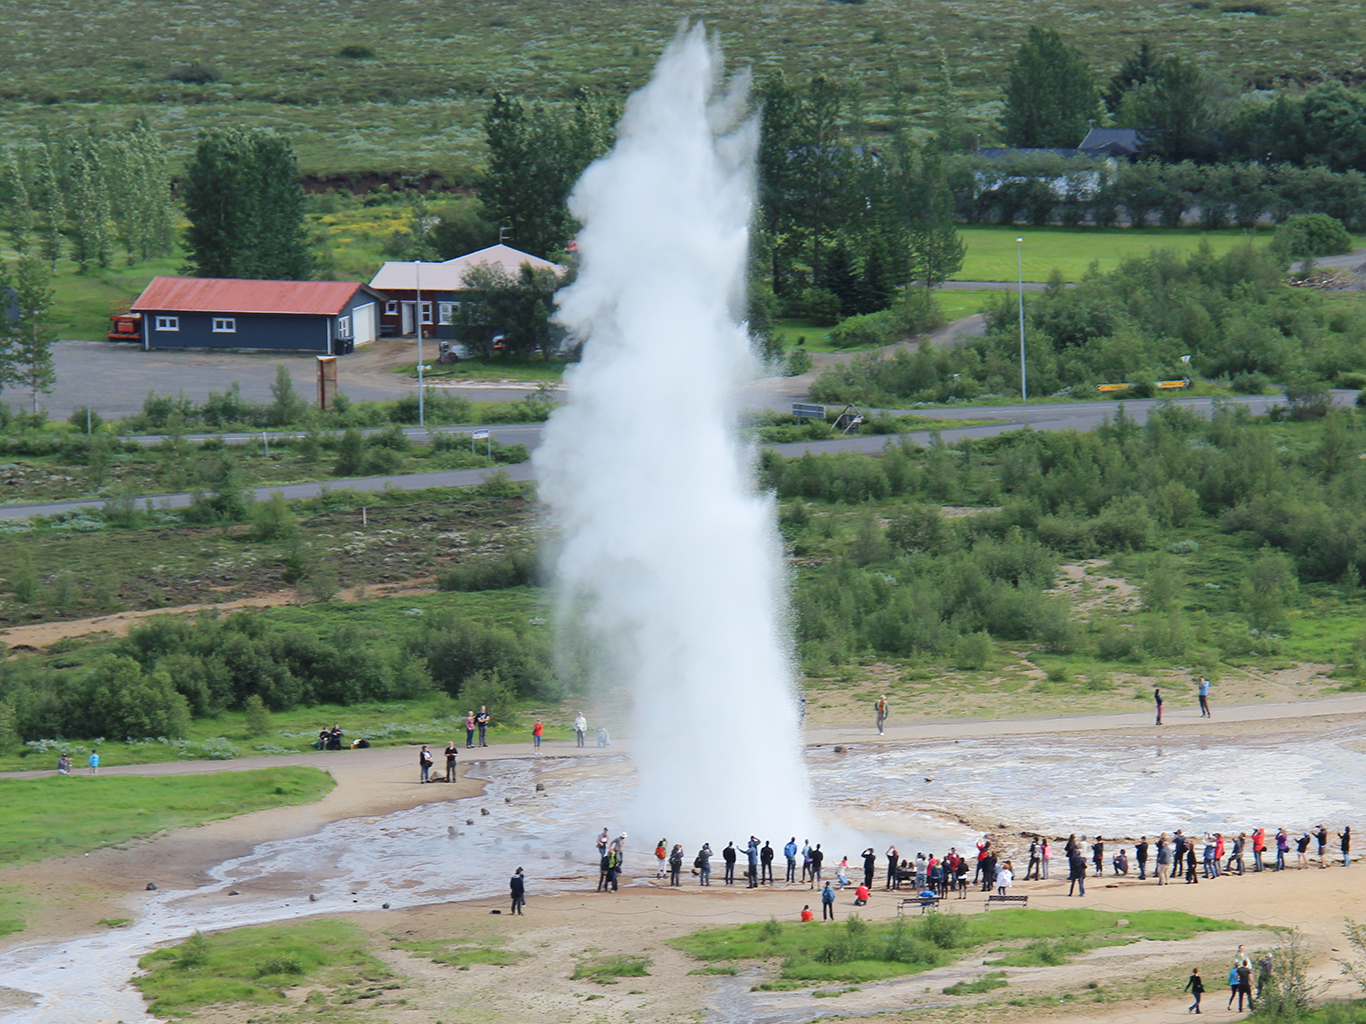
{"points": [[325, 317], [1119, 142]]}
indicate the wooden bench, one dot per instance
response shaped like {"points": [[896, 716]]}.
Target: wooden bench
{"points": [[925, 903], [1005, 901]]}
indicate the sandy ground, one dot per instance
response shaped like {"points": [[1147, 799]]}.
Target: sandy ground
{"points": [[71, 895]]}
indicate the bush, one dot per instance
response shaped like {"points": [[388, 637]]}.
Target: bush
{"points": [[258, 724], [354, 51], [822, 307], [194, 73], [78, 420], [1311, 234], [510, 569]]}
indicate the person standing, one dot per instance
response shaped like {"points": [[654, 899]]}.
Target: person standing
{"points": [[451, 749], [766, 863], [869, 866], [1321, 837], [1302, 849], [752, 862], [892, 882], [827, 903], [881, 708], [536, 731], [1164, 862], [676, 865], [518, 885], [1045, 855], [1236, 857], [613, 866], [1157, 699], [424, 761], [1258, 845], [817, 859], [1264, 968], [790, 852], [1344, 839], [1204, 698], [1191, 877], [469, 730], [602, 842], [806, 858], [1076, 873], [661, 856], [704, 865], [482, 720], [580, 729], [1196, 987], [1098, 855], [1232, 985], [1032, 871], [1244, 972], [94, 763], [728, 855], [1282, 847], [1141, 855], [1005, 878]]}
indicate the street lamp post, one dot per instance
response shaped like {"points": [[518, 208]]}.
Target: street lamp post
{"points": [[417, 312], [1019, 266]]}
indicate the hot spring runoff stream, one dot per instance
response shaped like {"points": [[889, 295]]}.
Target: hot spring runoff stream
{"points": [[1058, 784]]}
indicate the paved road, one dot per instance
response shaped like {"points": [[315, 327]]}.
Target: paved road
{"points": [[1044, 416]]}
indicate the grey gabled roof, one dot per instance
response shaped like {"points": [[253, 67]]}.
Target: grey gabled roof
{"points": [[1117, 141]]}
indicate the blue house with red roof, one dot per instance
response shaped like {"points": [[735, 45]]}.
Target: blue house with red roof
{"points": [[324, 317]]}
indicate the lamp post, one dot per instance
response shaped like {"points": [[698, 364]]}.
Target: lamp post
{"points": [[1019, 266], [417, 312]]}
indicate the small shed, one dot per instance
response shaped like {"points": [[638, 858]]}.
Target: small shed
{"points": [[432, 292], [324, 317]]}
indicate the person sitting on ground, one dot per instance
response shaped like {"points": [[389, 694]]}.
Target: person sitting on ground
{"points": [[63, 765], [1122, 862], [807, 914]]}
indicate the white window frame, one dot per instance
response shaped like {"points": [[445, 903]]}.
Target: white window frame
{"points": [[391, 307], [225, 325], [168, 323], [343, 327], [426, 313], [445, 313]]}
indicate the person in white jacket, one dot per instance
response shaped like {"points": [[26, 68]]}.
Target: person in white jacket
{"points": [[580, 728], [1005, 878]]}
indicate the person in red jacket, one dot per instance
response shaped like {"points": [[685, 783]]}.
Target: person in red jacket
{"points": [[807, 913], [536, 731], [1258, 845]]}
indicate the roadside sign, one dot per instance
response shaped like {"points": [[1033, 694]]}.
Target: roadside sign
{"points": [[480, 435], [1180, 384], [801, 409], [1104, 388]]}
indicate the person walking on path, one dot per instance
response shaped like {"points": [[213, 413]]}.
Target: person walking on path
{"points": [[518, 885], [482, 720], [451, 749], [881, 708], [1076, 873], [704, 865], [469, 730], [424, 761], [1244, 973], [827, 903], [1157, 699], [580, 729], [1196, 987], [1232, 985], [536, 731], [790, 852], [1203, 690], [728, 855], [94, 763]]}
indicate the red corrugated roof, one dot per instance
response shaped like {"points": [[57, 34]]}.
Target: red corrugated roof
{"points": [[232, 295]]}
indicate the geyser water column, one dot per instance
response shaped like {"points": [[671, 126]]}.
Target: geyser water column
{"points": [[663, 536]]}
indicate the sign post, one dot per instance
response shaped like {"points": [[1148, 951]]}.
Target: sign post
{"points": [[482, 435]]}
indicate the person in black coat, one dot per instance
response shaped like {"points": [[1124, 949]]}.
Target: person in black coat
{"points": [[1076, 873], [728, 855], [518, 885], [869, 866]]}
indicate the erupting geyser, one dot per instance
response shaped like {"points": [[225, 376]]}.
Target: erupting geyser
{"points": [[668, 551]]}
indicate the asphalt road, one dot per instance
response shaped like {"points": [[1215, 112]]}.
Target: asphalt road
{"points": [[1044, 416]]}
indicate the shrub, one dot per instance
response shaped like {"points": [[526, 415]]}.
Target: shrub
{"points": [[194, 73], [258, 724], [822, 306], [1311, 234], [355, 51], [510, 569], [78, 420]]}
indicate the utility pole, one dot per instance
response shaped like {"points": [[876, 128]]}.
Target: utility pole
{"points": [[417, 313], [1019, 266]]}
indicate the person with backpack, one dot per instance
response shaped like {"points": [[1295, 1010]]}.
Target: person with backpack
{"points": [[827, 903], [881, 708], [676, 864], [703, 865], [424, 761], [661, 855]]}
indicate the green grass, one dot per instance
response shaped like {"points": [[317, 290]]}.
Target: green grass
{"points": [[53, 817], [857, 951], [991, 249], [606, 970], [986, 983], [13, 907], [256, 965], [416, 105], [461, 952], [957, 303]]}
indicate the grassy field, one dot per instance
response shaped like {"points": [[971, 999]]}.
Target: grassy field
{"points": [[415, 104], [991, 249], [256, 965], [856, 951], [56, 817]]}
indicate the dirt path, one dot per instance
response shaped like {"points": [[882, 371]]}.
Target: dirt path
{"points": [[43, 634]]}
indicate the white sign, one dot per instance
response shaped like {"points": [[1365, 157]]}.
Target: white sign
{"points": [[479, 435]]}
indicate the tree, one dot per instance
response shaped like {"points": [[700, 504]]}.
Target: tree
{"points": [[508, 313], [1174, 111], [26, 356], [287, 406], [1139, 67], [1050, 96], [245, 206]]}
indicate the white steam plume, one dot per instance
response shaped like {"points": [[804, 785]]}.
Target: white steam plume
{"points": [[651, 490]]}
